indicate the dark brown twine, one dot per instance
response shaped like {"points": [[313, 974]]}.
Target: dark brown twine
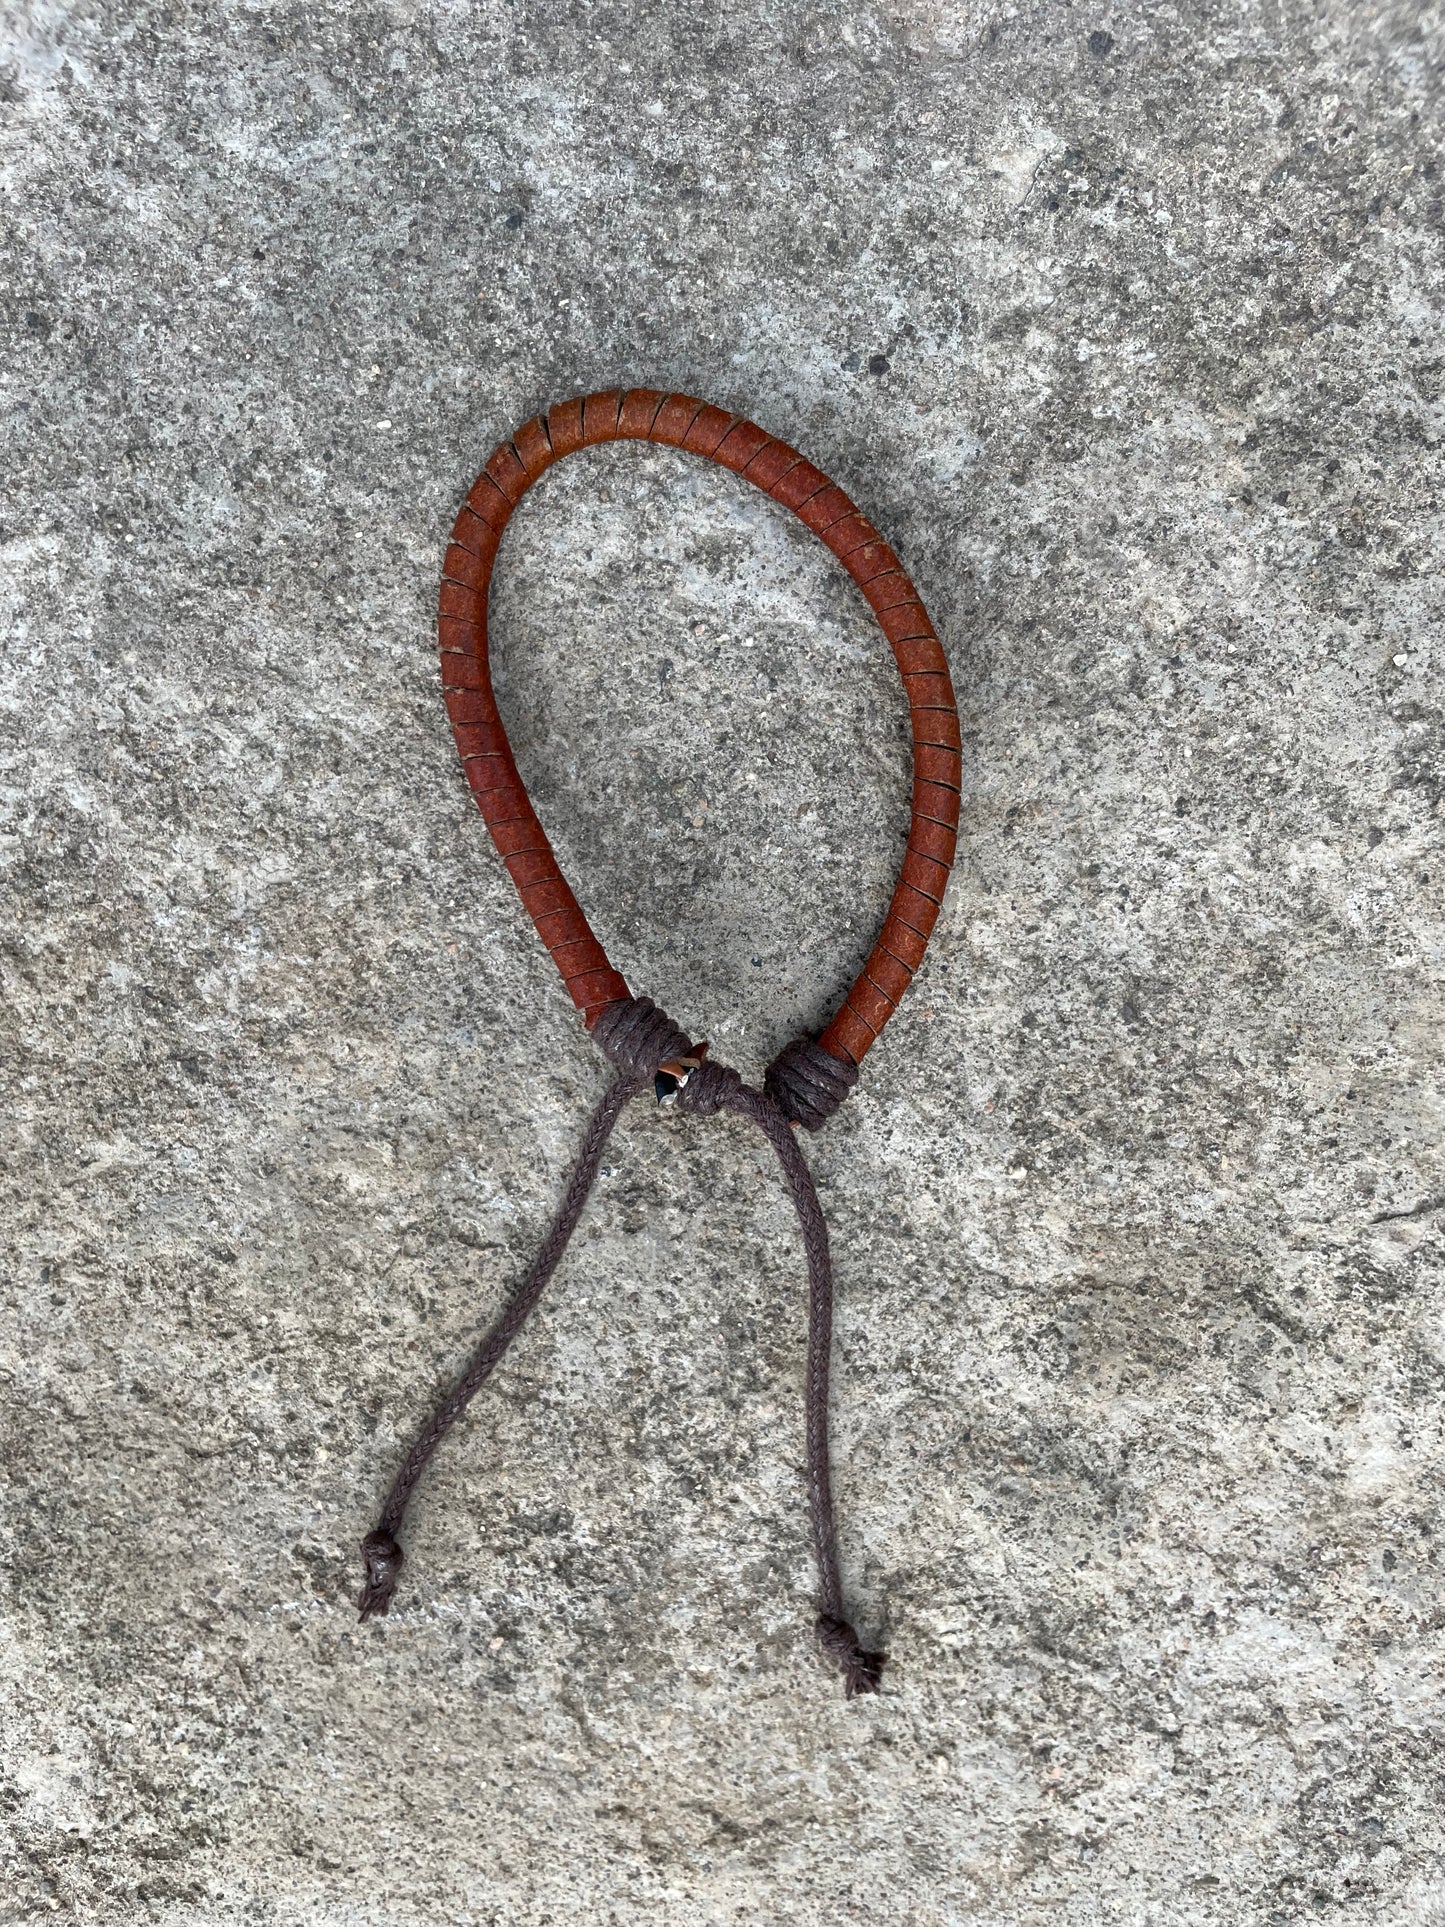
{"points": [[639, 1038]]}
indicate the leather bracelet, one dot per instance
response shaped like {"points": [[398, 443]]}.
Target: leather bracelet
{"points": [[808, 1079], [680, 421]]}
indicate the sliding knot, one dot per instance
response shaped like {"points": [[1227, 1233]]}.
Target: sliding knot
{"points": [[638, 1037], [707, 1089], [862, 1672], [808, 1083], [384, 1560]]}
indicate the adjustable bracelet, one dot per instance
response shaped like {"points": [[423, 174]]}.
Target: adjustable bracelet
{"points": [[808, 1079]]}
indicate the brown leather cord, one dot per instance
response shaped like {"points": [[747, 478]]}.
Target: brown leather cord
{"points": [[379, 1549], [639, 1038], [809, 1079]]}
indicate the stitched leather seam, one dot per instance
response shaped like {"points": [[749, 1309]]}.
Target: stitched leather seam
{"points": [[690, 420], [886, 995], [918, 886], [848, 1004], [902, 962]]}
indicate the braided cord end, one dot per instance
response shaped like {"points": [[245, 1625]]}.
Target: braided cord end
{"points": [[384, 1560], [862, 1671], [808, 1083]]}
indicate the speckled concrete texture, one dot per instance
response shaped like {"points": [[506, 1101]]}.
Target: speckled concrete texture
{"points": [[1123, 322]]}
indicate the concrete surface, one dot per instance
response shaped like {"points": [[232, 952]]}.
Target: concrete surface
{"points": [[1124, 323]]}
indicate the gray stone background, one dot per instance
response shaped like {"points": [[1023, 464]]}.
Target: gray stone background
{"points": [[1123, 321]]}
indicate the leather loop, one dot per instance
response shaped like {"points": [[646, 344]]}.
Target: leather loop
{"points": [[681, 421]]}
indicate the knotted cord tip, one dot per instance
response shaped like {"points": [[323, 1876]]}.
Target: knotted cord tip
{"points": [[862, 1671], [384, 1560]]}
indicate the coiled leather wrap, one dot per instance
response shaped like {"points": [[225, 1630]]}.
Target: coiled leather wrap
{"points": [[681, 421]]}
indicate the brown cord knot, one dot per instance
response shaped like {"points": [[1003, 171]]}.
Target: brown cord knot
{"points": [[862, 1671], [808, 1083], [638, 1037], [384, 1560], [707, 1089]]}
